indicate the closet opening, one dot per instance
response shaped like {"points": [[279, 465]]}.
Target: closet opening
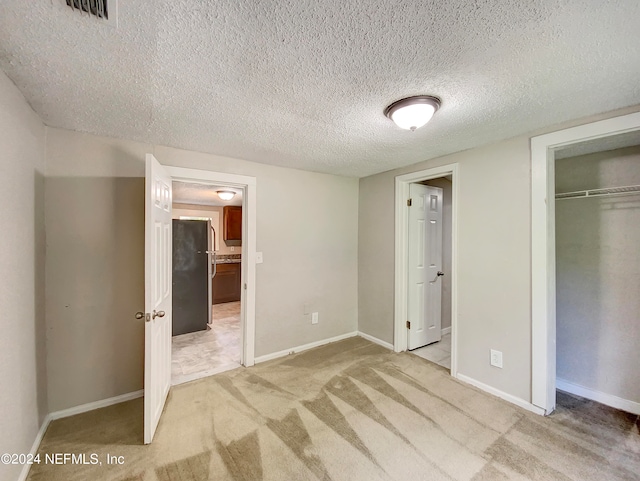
{"points": [[614, 189], [597, 234]]}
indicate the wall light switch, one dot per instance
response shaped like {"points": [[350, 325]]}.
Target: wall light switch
{"points": [[496, 358], [314, 318], [259, 258]]}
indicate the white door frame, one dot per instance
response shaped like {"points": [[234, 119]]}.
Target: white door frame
{"points": [[402, 255], [543, 247], [249, 221]]}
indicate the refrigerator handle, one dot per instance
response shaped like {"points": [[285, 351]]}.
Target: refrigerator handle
{"points": [[215, 264], [213, 253]]}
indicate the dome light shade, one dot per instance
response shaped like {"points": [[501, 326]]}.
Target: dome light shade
{"points": [[226, 194], [413, 112]]}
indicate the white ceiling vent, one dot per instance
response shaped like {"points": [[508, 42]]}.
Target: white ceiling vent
{"points": [[103, 10]]}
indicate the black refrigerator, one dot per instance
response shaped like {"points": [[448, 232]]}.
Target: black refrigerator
{"points": [[192, 249]]}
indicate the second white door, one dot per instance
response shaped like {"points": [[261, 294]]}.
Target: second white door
{"points": [[425, 265], [157, 291]]}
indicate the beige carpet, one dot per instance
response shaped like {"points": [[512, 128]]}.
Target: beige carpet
{"points": [[348, 411]]}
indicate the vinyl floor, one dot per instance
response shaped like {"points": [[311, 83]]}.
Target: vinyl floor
{"points": [[204, 353], [438, 352]]}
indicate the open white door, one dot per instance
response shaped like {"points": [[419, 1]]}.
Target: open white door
{"points": [[157, 293], [425, 266]]}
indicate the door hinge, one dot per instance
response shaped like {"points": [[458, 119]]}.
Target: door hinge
{"points": [[408, 324], [245, 286], [408, 202]]}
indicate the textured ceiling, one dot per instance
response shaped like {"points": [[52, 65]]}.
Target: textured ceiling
{"points": [[303, 83], [203, 194]]}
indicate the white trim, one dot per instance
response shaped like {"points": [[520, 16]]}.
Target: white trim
{"points": [[375, 340], [207, 176], [304, 347], [249, 223], [65, 413], [445, 331], [401, 255], [36, 445], [601, 397], [83, 408], [543, 248], [502, 395]]}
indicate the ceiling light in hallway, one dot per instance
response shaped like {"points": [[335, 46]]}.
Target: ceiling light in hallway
{"points": [[226, 194]]}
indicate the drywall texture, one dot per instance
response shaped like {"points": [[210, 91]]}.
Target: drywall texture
{"points": [[447, 191], [598, 274], [494, 258], [23, 401], [306, 228], [216, 216]]}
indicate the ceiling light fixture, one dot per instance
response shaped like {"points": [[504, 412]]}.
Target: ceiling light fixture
{"points": [[226, 194], [413, 112]]}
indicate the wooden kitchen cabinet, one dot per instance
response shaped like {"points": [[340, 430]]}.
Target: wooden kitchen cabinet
{"points": [[226, 284], [232, 220]]}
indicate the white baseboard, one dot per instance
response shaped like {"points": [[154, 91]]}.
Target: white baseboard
{"points": [[36, 444], [446, 330], [502, 395], [601, 397], [83, 408], [70, 412], [375, 340], [304, 347]]}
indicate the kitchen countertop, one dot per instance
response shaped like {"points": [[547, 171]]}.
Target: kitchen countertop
{"points": [[229, 258]]}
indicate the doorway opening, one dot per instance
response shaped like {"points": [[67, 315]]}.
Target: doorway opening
{"points": [[234, 269], [207, 261], [158, 283], [425, 312], [597, 230], [543, 243]]}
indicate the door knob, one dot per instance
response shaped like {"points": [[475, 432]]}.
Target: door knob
{"points": [[148, 317], [440, 273]]}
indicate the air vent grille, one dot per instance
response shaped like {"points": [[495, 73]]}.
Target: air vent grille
{"points": [[97, 8]]}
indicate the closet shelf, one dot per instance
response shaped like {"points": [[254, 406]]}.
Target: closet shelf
{"points": [[611, 191]]}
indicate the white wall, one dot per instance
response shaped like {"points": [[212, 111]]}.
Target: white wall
{"points": [[598, 275], [306, 228], [23, 401], [494, 257]]}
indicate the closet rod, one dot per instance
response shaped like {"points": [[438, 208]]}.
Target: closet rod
{"points": [[608, 192]]}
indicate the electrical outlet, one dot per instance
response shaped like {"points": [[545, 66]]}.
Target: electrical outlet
{"points": [[496, 358], [314, 318]]}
